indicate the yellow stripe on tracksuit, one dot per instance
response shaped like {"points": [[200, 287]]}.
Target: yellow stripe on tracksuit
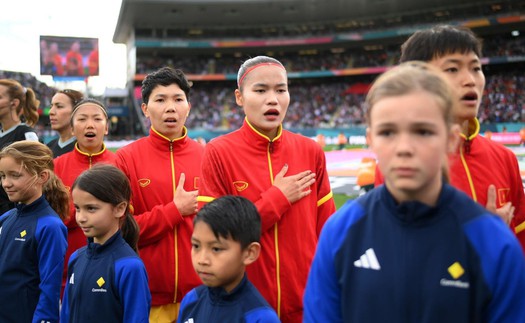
{"points": [[325, 198], [205, 199]]}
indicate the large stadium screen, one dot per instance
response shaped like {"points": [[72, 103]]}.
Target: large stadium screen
{"points": [[68, 56]]}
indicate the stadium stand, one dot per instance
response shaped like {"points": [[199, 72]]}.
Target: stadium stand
{"points": [[331, 59]]}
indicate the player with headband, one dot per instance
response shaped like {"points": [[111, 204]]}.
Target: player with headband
{"points": [[283, 173]]}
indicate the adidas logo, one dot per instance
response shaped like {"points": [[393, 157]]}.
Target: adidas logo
{"points": [[368, 261]]}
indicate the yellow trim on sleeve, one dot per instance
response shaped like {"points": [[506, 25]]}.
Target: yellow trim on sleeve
{"points": [[325, 198], [520, 227], [206, 199]]}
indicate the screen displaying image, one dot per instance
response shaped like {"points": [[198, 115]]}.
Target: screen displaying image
{"points": [[68, 56]]}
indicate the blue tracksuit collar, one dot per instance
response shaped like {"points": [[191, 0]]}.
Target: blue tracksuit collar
{"points": [[28, 209], [219, 294], [94, 249], [415, 212]]}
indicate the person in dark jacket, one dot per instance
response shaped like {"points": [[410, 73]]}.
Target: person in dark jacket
{"points": [[33, 238], [18, 115], [60, 112], [107, 281], [415, 249], [485, 170], [225, 240]]}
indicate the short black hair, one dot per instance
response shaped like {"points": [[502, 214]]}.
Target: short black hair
{"points": [[428, 44], [164, 76], [233, 217]]}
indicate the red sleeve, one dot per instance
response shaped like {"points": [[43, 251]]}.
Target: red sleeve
{"points": [[60, 170], [271, 206], [518, 222], [155, 223], [325, 199], [212, 183]]}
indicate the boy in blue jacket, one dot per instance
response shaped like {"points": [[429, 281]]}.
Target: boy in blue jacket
{"points": [[225, 240]]}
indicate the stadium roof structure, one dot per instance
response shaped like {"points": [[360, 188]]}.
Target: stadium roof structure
{"points": [[162, 14]]}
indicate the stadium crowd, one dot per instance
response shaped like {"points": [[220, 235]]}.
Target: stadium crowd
{"points": [[334, 105], [312, 29], [316, 60], [321, 103], [90, 210], [317, 102]]}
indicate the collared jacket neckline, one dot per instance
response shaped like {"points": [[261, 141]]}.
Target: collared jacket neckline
{"points": [[415, 212], [258, 140], [28, 209], [161, 142], [93, 249], [219, 295]]}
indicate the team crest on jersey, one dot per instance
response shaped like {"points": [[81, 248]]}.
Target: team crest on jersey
{"points": [[196, 183], [240, 185], [503, 195], [101, 282], [455, 271], [101, 289], [143, 182], [22, 236]]}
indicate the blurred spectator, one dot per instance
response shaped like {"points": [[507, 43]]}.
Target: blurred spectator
{"points": [[93, 59], [51, 60], [74, 62]]}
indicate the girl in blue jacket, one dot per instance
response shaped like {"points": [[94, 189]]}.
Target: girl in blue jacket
{"points": [[107, 281], [33, 238], [415, 249]]}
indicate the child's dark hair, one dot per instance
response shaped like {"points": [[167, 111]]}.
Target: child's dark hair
{"points": [[28, 103], [233, 217], [164, 76], [109, 184], [36, 158], [426, 45]]}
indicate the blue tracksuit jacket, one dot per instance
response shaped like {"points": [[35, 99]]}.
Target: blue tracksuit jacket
{"points": [[106, 283], [378, 261], [33, 242], [243, 304]]}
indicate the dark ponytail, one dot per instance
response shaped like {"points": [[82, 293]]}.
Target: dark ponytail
{"points": [[130, 230], [109, 184]]}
